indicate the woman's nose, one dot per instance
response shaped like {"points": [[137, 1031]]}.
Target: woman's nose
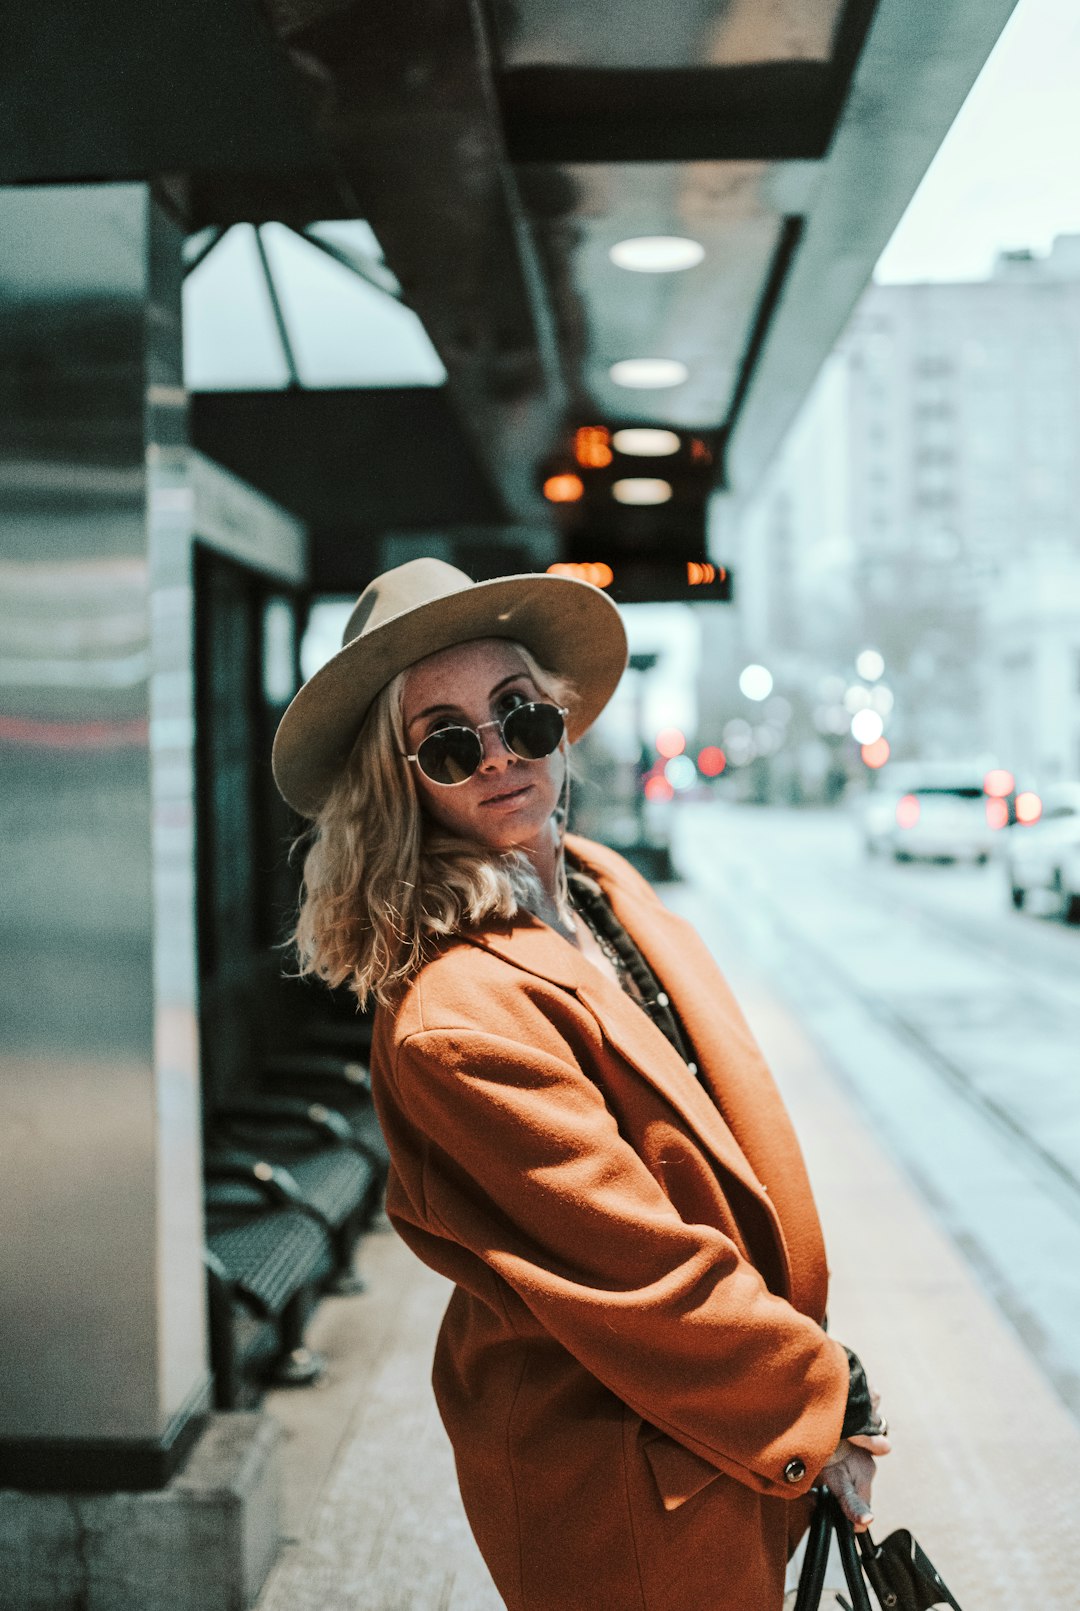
{"points": [[493, 744]]}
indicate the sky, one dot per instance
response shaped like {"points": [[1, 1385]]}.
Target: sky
{"points": [[1007, 174]]}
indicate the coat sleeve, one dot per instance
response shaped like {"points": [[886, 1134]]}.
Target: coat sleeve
{"points": [[518, 1159]]}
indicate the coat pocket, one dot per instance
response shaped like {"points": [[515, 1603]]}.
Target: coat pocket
{"points": [[678, 1472]]}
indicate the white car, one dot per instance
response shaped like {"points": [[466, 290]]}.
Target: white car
{"points": [[929, 812], [1044, 856]]}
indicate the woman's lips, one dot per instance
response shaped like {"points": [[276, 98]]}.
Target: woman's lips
{"points": [[508, 798]]}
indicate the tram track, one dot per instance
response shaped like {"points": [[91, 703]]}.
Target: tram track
{"points": [[883, 1006], [907, 1002], [1064, 992], [906, 1028]]}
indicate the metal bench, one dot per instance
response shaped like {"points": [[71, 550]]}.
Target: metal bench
{"points": [[264, 1266], [330, 1174], [331, 1083]]}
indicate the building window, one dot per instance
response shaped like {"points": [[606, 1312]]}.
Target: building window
{"points": [[934, 498]]}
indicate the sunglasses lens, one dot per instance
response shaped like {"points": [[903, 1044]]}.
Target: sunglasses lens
{"points": [[450, 756], [533, 731]]}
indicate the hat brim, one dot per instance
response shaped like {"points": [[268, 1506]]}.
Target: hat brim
{"points": [[570, 626]]}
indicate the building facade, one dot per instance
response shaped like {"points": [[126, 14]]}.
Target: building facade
{"points": [[927, 503]]}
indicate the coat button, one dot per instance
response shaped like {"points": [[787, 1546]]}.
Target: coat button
{"points": [[794, 1471]]}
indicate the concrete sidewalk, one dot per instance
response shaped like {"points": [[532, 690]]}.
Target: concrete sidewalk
{"points": [[985, 1459]]}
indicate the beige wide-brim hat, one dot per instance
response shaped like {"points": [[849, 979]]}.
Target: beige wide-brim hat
{"points": [[417, 609]]}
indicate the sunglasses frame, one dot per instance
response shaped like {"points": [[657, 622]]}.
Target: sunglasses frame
{"points": [[500, 723]]}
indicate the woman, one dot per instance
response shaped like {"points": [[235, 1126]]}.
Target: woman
{"points": [[632, 1369]]}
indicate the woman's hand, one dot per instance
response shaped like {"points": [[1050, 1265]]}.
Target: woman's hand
{"points": [[849, 1474]]}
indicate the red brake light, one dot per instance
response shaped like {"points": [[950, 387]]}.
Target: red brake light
{"points": [[1028, 806], [907, 811]]}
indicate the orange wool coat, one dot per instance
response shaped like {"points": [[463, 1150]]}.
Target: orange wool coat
{"points": [[631, 1369]]}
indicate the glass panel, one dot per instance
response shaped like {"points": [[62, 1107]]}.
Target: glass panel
{"points": [[326, 622], [279, 652], [343, 331], [230, 339]]}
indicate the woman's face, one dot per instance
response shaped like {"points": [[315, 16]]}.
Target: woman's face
{"points": [[507, 802]]}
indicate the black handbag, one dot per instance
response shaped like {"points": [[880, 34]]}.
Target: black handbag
{"points": [[899, 1571]]}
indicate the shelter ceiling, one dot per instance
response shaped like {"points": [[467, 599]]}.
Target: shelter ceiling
{"points": [[704, 318], [635, 33], [498, 155]]}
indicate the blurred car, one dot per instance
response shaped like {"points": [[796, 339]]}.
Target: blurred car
{"points": [[935, 811], [1044, 855]]}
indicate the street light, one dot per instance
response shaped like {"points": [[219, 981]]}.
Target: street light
{"points": [[866, 727], [755, 682]]}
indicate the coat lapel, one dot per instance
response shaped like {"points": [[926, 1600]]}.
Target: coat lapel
{"points": [[538, 949], [746, 1098]]}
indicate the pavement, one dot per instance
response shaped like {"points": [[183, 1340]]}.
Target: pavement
{"points": [[986, 1450]]}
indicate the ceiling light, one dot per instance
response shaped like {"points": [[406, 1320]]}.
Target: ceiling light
{"points": [[648, 373], [592, 446], [641, 489], [643, 442], [657, 254], [563, 488]]}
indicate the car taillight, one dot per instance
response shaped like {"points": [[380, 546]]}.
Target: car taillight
{"points": [[907, 811], [1028, 806]]}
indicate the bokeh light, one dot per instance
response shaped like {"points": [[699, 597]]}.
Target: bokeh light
{"points": [[711, 761], [670, 741], [866, 727], [998, 783], [907, 811], [566, 488], [592, 446], [646, 442], [1028, 807], [594, 571], [648, 374], [657, 254], [642, 489], [658, 788], [756, 682], [876, 754], [681, 772], [870, 665]]}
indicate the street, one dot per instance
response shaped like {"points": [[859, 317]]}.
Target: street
{"points": [[953, 1020]]}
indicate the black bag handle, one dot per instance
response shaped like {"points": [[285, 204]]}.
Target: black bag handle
{"points": [[899, 1571], [828, 1517]]}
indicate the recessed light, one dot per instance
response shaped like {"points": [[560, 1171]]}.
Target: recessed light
{"points": [[567, 488], [644, 442], [648, 374], [657, 254], [641, 490]]}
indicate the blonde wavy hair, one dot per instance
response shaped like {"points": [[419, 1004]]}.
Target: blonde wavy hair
{"points": [[382, 883]]}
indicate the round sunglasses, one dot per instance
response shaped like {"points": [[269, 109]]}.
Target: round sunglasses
{"points": [[451, 755]]}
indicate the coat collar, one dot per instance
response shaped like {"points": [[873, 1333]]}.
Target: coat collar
{"points": [[662, 938]]}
